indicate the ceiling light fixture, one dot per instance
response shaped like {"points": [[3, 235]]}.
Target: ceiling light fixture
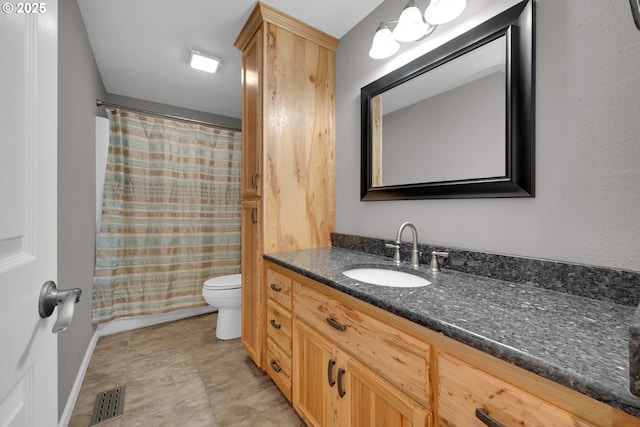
{"points": [[203, 61], [413, 26]]}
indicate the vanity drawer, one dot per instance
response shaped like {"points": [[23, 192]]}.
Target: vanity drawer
{"points": [[279, 367], [279, 326], [397, 356], [464, 390], [279, 288]]}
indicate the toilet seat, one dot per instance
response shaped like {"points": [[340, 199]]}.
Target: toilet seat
{"points": [[233, 281]]}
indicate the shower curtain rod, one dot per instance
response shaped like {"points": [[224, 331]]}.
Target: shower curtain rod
{"points": [[100, 103]]}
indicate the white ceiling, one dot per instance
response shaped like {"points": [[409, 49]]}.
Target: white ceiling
{"points": [[141, 46]]}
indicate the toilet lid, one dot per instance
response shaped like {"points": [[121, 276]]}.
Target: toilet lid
{"points": [[232, 281]]}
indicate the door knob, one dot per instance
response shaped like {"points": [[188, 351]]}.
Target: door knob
{"points": [[51, 297]]}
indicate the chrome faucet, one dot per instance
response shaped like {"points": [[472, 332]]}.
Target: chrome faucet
{"points": [[415, 255]]}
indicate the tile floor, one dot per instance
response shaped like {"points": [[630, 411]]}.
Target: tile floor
{"points": [[180, 374]]}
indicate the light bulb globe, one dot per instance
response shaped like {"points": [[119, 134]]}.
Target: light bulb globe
{"points": [[384, 44], [411, 25], [443, 11]]}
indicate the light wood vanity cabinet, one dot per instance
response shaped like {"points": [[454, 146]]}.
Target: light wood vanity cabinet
{"points": [[401, 360], [279, 327], [334, 388], [288, 144], [353, 364], [341, 374]]}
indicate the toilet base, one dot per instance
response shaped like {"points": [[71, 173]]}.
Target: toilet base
{"points": [[228, 325]]}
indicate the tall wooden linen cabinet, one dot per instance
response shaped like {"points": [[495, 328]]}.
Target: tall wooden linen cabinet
{"points": [[288, 146]]}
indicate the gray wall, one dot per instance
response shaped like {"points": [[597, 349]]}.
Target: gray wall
{"points": [[173, 110], [79, 84], [587, 204]]}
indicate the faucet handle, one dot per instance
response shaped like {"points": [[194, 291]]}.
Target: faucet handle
{"points": [[396, 255], [434, 266]]}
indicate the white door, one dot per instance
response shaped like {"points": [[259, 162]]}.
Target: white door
{"points": [[28, 206]]}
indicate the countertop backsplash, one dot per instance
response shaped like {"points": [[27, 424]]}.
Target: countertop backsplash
{"points": [[601, 283]]}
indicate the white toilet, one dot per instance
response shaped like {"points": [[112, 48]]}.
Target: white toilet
{"points": [[225, 293]]}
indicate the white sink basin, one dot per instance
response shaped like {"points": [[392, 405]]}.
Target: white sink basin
{"points": [[386, 277]]}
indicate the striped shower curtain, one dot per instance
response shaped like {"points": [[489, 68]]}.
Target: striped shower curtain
{"points": [[170, 215]]}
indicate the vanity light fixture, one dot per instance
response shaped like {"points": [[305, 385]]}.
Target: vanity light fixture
{"points": [[384, 44], [443, 11], [203, 61], [413, 25]]}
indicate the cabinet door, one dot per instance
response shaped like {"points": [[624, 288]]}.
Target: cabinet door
{"points": [[332, 388], [252, 290], [372, 401], [252, 118], [315, 369]]}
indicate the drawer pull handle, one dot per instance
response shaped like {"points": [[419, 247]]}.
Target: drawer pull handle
{"points": [[275, 324], [274, 366], [254, 180], [336, 325], [254, 215], [341, 391], [332, 382], [483, 415], [275, 288]]}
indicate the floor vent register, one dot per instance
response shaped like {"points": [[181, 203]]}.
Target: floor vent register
{"points": [[109, 405]]}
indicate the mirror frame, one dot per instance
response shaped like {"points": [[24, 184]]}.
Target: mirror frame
{"points": [[517, 24]]}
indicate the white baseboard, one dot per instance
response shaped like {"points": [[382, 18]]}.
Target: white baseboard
{"points": [[125, 324], [115, 326]]}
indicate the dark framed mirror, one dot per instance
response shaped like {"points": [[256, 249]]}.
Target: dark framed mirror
{"points": [[457, 122]]}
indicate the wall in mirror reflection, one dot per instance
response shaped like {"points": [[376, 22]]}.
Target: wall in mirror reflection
{"points": [[445, 125]]}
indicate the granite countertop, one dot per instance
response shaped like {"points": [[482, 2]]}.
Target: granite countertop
{"points": [[578, 342]]}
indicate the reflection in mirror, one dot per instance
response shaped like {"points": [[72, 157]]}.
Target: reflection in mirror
{"points": [[444, 125], [458, 121]]}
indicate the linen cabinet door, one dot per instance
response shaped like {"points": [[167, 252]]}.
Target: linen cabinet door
{"points": [[371, 401], [253, 295], [315, 370], [252, 118]]}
